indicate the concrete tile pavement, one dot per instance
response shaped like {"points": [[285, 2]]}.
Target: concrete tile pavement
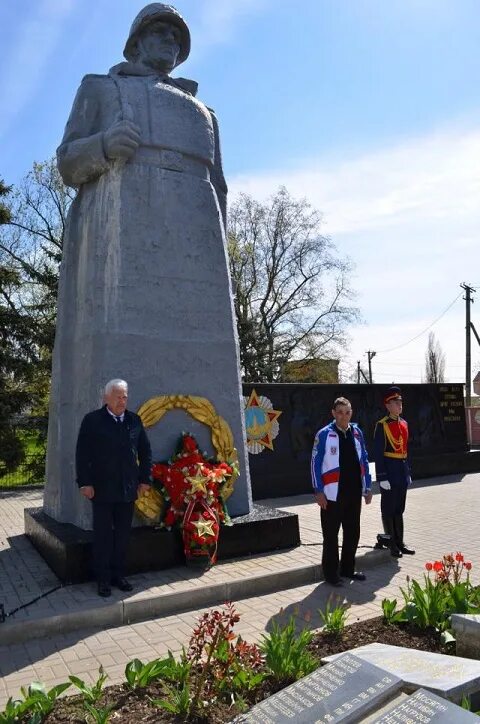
{"points": [[442, 516]]}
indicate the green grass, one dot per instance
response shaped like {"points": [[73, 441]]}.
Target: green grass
{"points": [[22, 475]]}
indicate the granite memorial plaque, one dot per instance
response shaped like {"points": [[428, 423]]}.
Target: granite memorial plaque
{"points": [[466, 627], [424, 707], [449, 676], [339, 692]]}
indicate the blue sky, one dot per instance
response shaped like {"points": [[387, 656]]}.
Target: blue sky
{"points": [[369, 108]]}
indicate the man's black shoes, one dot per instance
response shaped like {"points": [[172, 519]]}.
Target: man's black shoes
{"points": [[104, 590], [406, 551], [357, 576], [122, 584]]}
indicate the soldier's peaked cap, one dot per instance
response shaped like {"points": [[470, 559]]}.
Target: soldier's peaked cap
{"points": [[393, 393], [151, 13]]}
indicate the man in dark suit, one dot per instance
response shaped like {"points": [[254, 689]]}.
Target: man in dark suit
{"points": [[113, 463]]}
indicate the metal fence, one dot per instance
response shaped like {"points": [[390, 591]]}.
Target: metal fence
{"points": [[25, 474]]}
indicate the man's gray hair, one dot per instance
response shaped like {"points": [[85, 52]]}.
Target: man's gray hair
{"points": [[113, 384]]}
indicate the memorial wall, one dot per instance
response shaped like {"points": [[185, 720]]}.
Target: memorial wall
{"points": [[282, 419]]}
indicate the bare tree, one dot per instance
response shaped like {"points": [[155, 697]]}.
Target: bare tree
{"points": [[434, 361], [292, 293]]}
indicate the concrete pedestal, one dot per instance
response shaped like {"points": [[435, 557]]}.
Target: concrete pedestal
{"points": [[67, 549]]}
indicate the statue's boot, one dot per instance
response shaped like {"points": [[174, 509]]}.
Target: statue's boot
{"points": [[398, 525]]}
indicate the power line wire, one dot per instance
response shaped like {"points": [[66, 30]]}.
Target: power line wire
{"points": [[404, 344], [411, 364]]}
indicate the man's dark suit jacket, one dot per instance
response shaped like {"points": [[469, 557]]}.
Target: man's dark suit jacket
{"points": [[113, 456]]}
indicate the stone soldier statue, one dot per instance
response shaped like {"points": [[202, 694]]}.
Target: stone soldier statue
{"points": [[144, 287]]}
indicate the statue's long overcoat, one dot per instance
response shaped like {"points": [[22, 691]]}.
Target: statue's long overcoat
{"points": [[144, 288]]}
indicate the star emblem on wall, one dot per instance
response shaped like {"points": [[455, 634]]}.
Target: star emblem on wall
{"points": [[261, 422]]}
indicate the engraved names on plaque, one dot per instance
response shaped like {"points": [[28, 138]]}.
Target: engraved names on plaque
{"points": [[342, 691], [424, 707]]}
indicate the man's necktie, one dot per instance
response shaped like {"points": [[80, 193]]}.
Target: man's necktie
{"points": [[118, 419]]}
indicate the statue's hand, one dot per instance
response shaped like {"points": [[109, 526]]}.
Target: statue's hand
{"points": [[121, 140]]}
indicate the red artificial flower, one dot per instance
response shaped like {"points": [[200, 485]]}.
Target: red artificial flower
{"points": [[169, 518], [159, 471], [468, 565], [429, 566], [438, 566], [187, 460], [189, 443], [174, 482], [459, 557]]}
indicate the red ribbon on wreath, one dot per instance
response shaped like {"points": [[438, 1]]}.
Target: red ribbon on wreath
{"points": [[200, 531]]}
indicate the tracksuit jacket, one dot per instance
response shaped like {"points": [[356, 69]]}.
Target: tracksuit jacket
{"points": [[325, 464]]}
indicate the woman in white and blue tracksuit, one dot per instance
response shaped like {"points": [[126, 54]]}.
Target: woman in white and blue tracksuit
{"points": [[340, 478]]}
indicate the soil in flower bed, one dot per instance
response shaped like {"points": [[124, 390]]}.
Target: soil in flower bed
{"points": [[376, 630], [131, 707]]}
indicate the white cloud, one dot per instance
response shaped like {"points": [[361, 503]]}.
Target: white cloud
{"points": [[218, 21], [409, 217], [28, 53], [430, 177]]}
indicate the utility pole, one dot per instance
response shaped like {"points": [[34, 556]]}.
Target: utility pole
{"points": [[361, 373], [468, 353], [370, 356]]}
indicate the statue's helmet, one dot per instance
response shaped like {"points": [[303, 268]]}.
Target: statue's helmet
{"points": [[151, 13]]}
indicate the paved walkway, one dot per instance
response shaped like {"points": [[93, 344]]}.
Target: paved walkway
{"points": [[442, 516]]}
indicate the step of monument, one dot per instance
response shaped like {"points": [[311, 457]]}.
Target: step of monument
{"points": [[125, 609]]}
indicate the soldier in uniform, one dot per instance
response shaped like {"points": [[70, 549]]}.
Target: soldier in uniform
{"points": [[393, 470]]}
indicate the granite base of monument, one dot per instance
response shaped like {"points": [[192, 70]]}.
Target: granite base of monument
{"points": [[67, 549]]}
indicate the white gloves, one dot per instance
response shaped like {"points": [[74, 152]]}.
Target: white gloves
{"points": [[385, 485]]}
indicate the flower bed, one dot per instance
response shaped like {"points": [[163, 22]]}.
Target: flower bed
{"points": [[219, 675]]}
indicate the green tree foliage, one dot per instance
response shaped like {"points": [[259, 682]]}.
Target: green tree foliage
{"points": [[5, 214], [292, 294], [31, 240], [14, 335]]}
